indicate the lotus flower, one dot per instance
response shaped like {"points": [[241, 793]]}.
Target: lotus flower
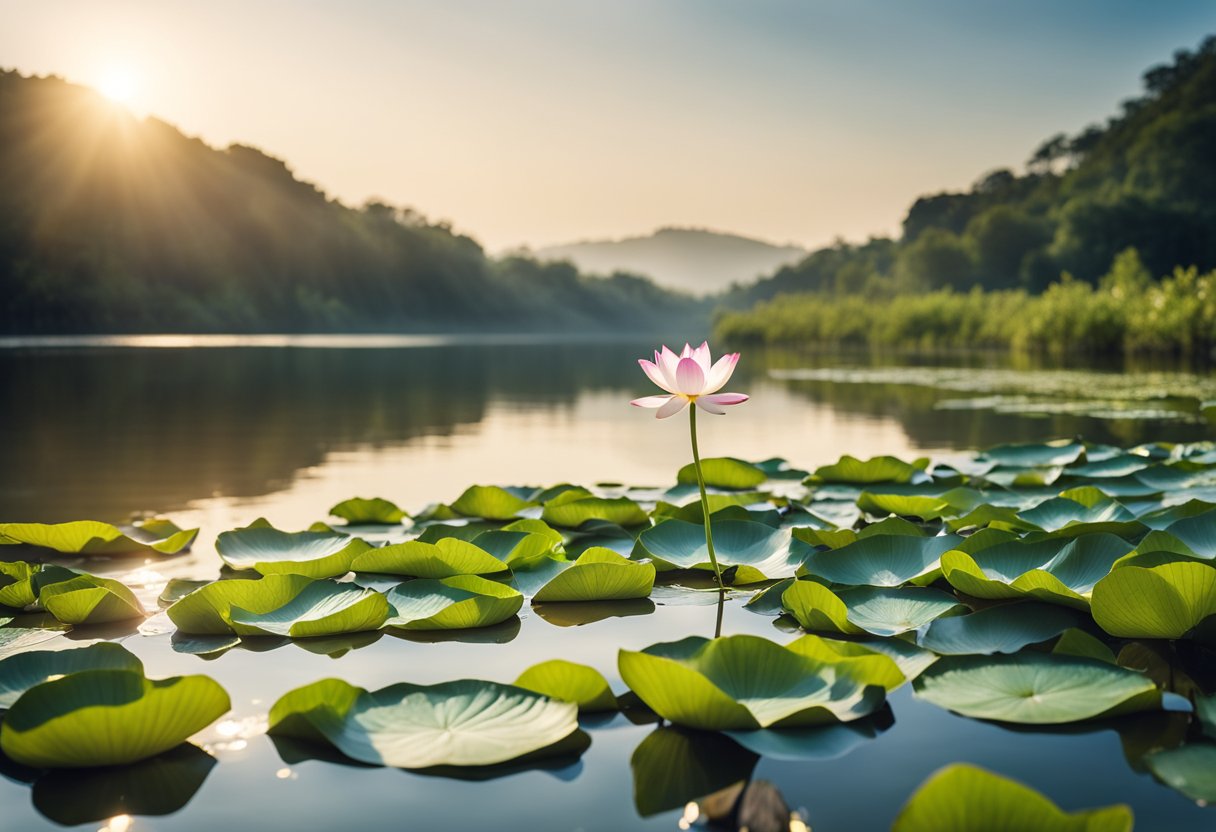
{"points": [[689, 378]]}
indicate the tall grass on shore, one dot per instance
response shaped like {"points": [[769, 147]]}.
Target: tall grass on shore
{"points": [[1127, 311]]}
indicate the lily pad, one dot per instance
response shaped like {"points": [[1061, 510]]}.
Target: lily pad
{"points": [[272, 552], [599, 574], [462, 723], [490, 502], [1056, 570], [1035, 455], [89, 599], [208, 609], [1166, 601], [1001, 629], [963, 798], [850, 469], [881, 560], [724, 472], [1190, 769], [21, 672], [107, 717], [322, 608], [569, 682], [21, 582], [572, 509], [882, 611], [759, 551], [90, 537], [744, 683], [459, 602], [1035, 688], [359, 511], [442, 559]]}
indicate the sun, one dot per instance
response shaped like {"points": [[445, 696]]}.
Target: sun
{"points": [[119, 84]]}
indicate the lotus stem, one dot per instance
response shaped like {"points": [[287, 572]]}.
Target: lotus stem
{"points": [[709, 534]]}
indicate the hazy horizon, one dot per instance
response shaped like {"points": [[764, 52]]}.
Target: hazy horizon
{"points": [[549, 123]]}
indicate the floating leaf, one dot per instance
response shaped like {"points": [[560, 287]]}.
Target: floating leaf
{"points": [[89, 599], [879, 469], [724, 472], [207, 610], [569, 682], [758, 550], [16, 640], [21, 672], [875, 667], [322, 608], [963, 798], [1190, 769], [359, 511], [107, 717], [906, 505], [1035, 688], [490, 502], [463, 723], [1075, 642], [573, 508], [824, 742], [90, 537], [514, 547], [272, 552], [442, 559], [881, 560], [882, 611], [1165, 601], [459, 602], [1061, 514], [1056, 570], [599, 574], [745, 682], [21, 582], [1002, 629], [1035, 455]]}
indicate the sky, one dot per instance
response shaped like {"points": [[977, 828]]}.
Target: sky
{"points": [[535, 122]]}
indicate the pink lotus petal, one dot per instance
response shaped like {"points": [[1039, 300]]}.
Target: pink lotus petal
{"points": [[701, 354], [667, 361], [690, 380], [672, 407], [687, 351], [721, 372], [651, 401], [709, 407], [656, 375], [724, 399]]}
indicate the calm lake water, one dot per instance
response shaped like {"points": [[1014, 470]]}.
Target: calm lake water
{"points": [[217, 432]]}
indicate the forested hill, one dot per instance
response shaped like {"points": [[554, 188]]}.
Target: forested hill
{"points": [[110, 223], [1146, 179]]}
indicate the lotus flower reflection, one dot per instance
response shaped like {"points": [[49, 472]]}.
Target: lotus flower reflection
{"points": [[689, 378], [692, 378]]}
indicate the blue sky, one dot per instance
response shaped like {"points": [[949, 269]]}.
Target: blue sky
{"points": [[542, 121]]}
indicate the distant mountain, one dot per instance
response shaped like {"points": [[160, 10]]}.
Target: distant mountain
{"points": [[691, 259], [109, 223]]}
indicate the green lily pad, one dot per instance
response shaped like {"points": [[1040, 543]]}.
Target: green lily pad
{"points": [[743, 683], [17, 640], [882, 611], [569, 682], [21, 582], [1001, 629], [1057, 570], [322, 608], [89, 599], [1190, 769], [869, 664], [724, 472], [759, 551], [516, 546], [963, 798], [850, 469], [599, 574], [1192, 536], [1166, 601], [1061, 514], [572, 509], [923, 506], [881, 560], [107, 717], [208, 609], [1035, 688], [823, 742], [462, 723], [459, 602], [19, 673], [442, 559], [272, 552], [490, 502], [90, 537], [1035, 455], [359, 511]]}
